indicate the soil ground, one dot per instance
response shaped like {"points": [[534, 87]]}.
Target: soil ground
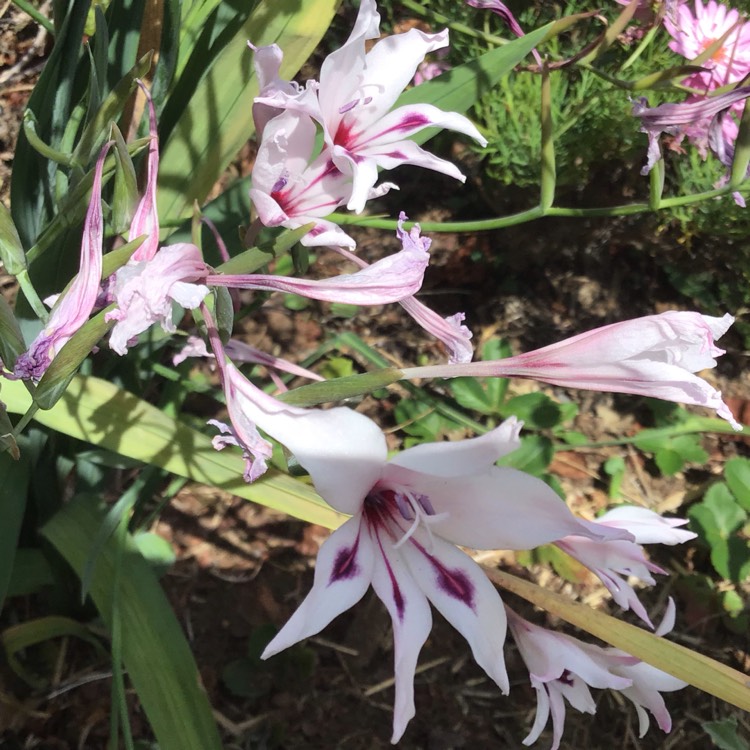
{"points": [[241, 569]]}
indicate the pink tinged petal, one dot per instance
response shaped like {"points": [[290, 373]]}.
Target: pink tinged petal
{"points": [[461, 457], [194, 347], [542, 714], [651, 356], [646, 526], [412, 621], [388, 280], [450, 330], [144, 292], [482, 510], [461, 592], [256, 451], [343, 451], [343, 572], [611, 560], [364, 175], [239, 351], [392, 155], [73, 308], [146, 219]]}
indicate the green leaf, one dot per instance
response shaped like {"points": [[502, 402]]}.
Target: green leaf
{"points": [[690, 449], [217, 122], [12, 255], [19, 637], [32, 187], [723, 734], [534, 456], [154, 650], [737, 476], [100, 413], [13, 492], [537, 410], [668, 461], [126, 185], [615, 468], [470, 394], [156, 551], [31, 572], [11, 339]]}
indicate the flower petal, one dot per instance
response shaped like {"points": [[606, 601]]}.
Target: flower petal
{"points": [[461, 457], [501, 508], [412, 621], [343, 451], [343, 572], [461, 592]]}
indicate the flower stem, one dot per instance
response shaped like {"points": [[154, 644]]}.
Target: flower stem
{"points": [[462, 28]]}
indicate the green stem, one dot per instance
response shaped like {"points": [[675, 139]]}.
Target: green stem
{"points": [[42, 20], [25, 419], [31, 296], [501, 222]]}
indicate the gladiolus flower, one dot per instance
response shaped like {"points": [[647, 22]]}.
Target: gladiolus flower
{"points": [[72, 308], [652, 356], [356, 93], [562, 668], [407, 513], [144, 292]]}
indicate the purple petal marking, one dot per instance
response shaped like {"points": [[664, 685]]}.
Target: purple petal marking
{"points": [[566, 678], [413, 120], [398, 597], [454, 583], [345, 565]]}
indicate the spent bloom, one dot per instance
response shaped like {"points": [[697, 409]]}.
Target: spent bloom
{"points": [[73, 307], [388, 280], [706, 121], [145, 290], [656, 356]]}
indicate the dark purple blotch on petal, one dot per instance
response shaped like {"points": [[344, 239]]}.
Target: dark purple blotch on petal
{"points": [[412, 120], [345, 565]]}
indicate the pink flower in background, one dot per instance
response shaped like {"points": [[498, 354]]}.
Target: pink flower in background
{"points": [[388, 280], [408, 512], [693, 31], [426, 71], [73, 307], [354, 106], [655, 356], [562, 668], [144, 292]]}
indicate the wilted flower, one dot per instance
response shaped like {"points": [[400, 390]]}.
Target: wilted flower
{"points": [[652, 356], [706, 121], [388, 280], [73, 307], [144, 292]]}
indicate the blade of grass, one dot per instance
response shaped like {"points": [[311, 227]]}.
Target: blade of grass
{"points": [[154, 650]]}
